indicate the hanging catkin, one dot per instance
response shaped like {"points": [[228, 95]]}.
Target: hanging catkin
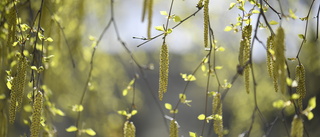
{"points": [[163, 70], [296, 127], [21, 79], [12, 23], [17, 89], [301, 88], [3, 124], [129, 129], [174, 132], [217, 113], [36, 115], [280, 60], [244, 54], [150, 11], [270, 61], [206, 22]]}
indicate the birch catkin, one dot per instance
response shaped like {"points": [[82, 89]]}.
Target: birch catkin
{"points": [[296, 127], [206, 22], [217, 113], [129, 129], [163, 70], [174, 132], [270, 61], [3, 124], [12, 23], [280, 60], [36, 115], [301, 88], [244, 54], [150, 11], [17, 89]]}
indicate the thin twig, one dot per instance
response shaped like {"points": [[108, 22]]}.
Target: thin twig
{"points": [[306, 29]]}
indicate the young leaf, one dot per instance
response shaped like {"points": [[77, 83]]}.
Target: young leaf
{"points": [[201, 117], [312, 103], [168, 106], [272, 22], [71, 129], [159, 28], [90, 132], [164, 13]]}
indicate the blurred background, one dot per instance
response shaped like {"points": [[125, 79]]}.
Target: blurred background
{"points": [[114, 68]]}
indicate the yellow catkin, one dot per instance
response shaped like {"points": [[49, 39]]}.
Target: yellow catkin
{"points": [[206, 22], [12, 23], [301, 88], [36, 115], [129, 130], [244, 54], [3, 124], [17, 89], [217, 113], [163, 70], [13, 100], [270, 61], [145, 6], [174, 132], [21, 80], [150, 11], [280, 60], [296, 127]]}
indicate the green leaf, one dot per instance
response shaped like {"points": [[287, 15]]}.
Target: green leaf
{"points": [[9, 85], [202, 117], [310, 115], [295, 96], [15, 44], [2, 96], [278, 104], [289, 81], [192, 134], [24, 27], [34, 68], [176, 18], [90, 132], [164, 13], [221, 49], [125, 92], [312, 103], [49, 39], [27, 108], [59, 112], [189, 77], [159, 28], [91, 38], [228, 28], [71, 129], [232, 5], [168, 106], [122, 112], [292, 15], [40, 36], [77, 108], [301, 36], [133, 112], [218, 67], [272, 22], [255, 12]]}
